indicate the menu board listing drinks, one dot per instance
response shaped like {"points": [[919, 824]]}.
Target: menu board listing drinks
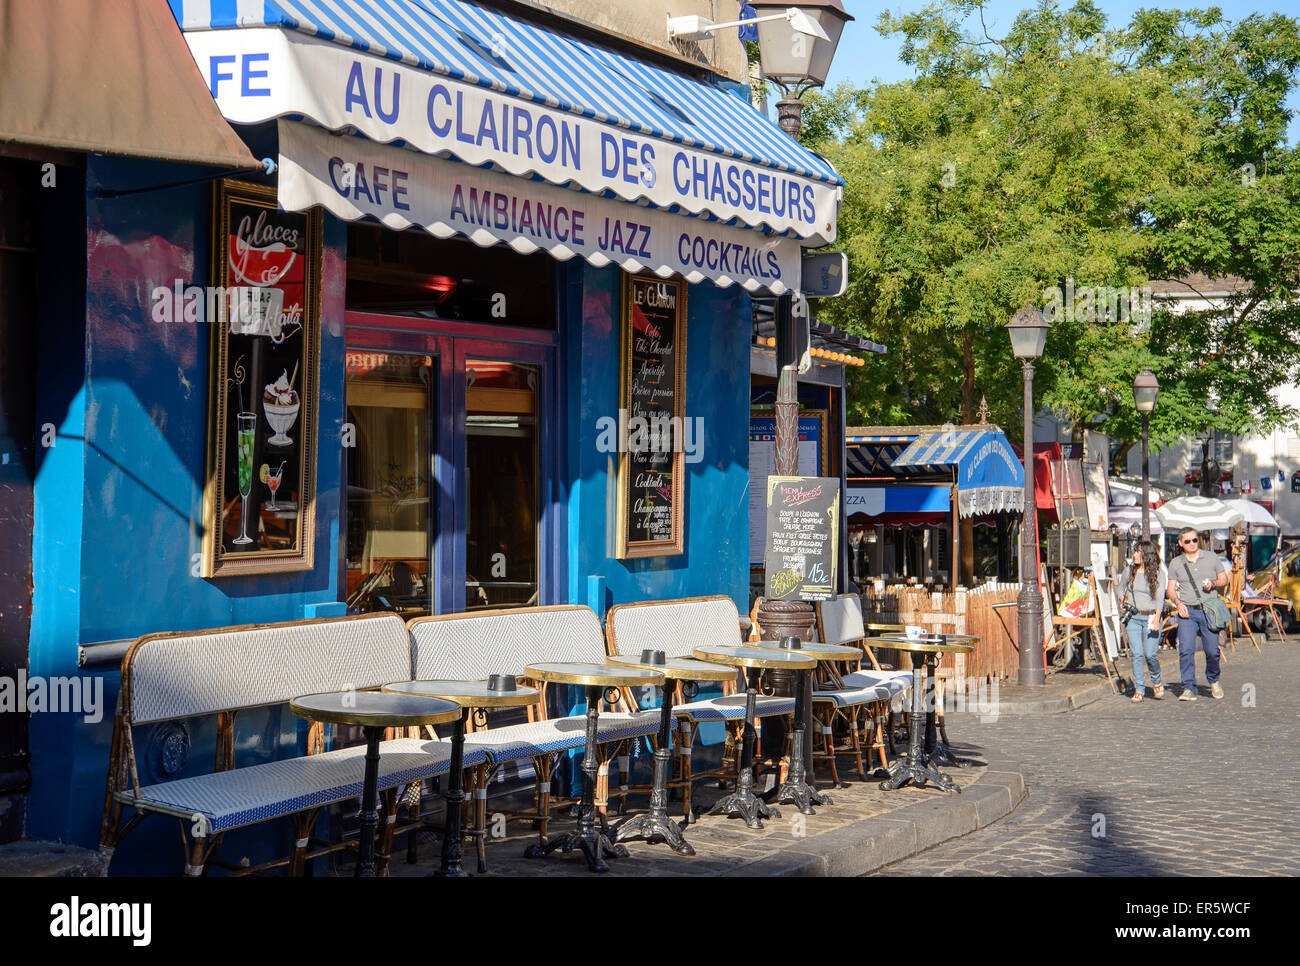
{"points": [[651, 465]]}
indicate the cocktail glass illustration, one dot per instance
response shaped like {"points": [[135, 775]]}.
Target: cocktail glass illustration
{"points": [[247, 426], [273, 478]]}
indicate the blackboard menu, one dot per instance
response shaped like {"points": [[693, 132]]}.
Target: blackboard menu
{"points": [[651, 420], [803, 527], [259, 499]]}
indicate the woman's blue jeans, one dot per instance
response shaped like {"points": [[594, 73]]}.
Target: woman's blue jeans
{"points": [[1144, 646]]}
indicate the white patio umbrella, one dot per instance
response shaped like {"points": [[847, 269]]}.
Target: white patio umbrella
{"points": [[1127, 516], [1255, 515], [1199, 512]]}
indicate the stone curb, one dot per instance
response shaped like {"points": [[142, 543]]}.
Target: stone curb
{"points": [[872, 843]]}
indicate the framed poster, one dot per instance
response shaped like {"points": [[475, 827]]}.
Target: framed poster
{"points": [[652, 378], [259, 501], [762, 463]]}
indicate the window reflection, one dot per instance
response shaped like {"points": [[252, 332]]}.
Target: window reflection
{"points": [[388, 461], [501, 485]]}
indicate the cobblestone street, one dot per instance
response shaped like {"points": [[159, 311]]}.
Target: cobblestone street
{"points": [[1157, 788]]}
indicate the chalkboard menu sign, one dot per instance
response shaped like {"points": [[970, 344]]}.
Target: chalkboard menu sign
{"points": [[651, 417], [259, 500], [803, 527]]}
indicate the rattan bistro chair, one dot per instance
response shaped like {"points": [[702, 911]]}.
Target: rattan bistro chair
{"points": [[676, 627], [471, 646], [856, 698]]}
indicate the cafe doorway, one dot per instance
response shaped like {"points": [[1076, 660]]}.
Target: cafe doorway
{"points": [[449, 439]]}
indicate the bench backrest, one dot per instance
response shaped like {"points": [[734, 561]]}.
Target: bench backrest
{"points": [[471, 646], [675, 627], [839, 620], [190, 673]]}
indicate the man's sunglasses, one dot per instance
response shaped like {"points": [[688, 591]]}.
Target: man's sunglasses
{"points": [[1190, 540]]}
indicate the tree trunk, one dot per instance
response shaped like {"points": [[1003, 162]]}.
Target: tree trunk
{"points": [[1119, 465], [968, 403]]}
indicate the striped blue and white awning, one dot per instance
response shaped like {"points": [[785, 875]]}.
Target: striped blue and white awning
{"points": [[990, 477], [455, 80]]}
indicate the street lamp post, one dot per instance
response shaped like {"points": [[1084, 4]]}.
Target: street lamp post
{"points": [[796, 44], [1028, 331], [1145, 392]]}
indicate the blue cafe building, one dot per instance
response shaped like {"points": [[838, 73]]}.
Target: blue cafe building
{"points": [[496, 208]]}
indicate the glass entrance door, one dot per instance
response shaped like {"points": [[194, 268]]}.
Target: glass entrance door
{"points": [[501, 476], [389, 549], [449, 468]]}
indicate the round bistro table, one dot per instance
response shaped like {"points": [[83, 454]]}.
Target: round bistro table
{"points": [[922, 763], [799, 787], [373, 711], [935, 747], [655, 825], [754, 660], [593, 840], [468, 695]]}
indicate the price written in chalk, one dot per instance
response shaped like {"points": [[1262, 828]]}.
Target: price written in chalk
{"points": [[803, 522]]}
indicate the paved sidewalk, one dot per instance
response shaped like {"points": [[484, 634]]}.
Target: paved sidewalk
{"points": [[1156, 788], [863, 830]]}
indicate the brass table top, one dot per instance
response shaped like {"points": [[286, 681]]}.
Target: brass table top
{"points": [[374, 709], [952, 644], [467, 694], [757, 657], [679, 668], [595, 675], [822, 652]]}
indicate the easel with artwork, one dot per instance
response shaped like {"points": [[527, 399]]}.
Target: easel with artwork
{"points": [[1090, 617]]}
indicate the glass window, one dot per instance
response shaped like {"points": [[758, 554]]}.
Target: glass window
{"points": [[501, 485], [414, 274], [388, 464]]}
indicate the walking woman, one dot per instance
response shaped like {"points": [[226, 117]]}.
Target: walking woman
{"points": [[1143, 584]]}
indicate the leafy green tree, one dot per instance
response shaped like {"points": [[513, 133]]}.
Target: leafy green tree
{"points": [[1069, 150]]}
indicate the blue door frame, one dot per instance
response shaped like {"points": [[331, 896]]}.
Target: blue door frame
{"points": [[452, 344]]}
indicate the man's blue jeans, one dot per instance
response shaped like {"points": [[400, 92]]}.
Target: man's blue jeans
{"points": [[1189, 628], [1143, 644]]}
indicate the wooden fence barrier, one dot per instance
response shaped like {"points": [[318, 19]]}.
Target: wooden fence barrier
{"points": [[954, 612]]}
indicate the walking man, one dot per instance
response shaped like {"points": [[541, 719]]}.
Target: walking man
{"points": [[1192, 577]]}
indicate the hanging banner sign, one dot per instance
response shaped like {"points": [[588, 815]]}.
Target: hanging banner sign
{"points": [[257, 74], [353, 178]]}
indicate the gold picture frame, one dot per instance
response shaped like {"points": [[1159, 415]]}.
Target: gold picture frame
{"points": [[649, 305], [265, 322]]}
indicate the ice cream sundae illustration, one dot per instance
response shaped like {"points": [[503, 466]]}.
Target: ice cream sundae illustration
{"points": [[280, 402]]}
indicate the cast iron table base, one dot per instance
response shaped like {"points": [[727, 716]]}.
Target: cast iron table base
{"points": [[796, 790], [935, 747], [742, 802], [591, 837], [917, 767], [655, 825]]}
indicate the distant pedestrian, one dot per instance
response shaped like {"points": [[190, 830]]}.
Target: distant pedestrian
{"points": [[1192, 576], [1144, 583]]}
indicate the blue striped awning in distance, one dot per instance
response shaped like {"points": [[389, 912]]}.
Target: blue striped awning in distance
{"points": [[482, 46]]}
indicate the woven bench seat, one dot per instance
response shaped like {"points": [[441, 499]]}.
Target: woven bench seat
{"points": [[532, 738], [222, 672], [256, 793], [731, 707], [864, 687]]}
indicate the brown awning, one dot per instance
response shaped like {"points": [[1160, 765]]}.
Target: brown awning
{"points": [[108, 77]]}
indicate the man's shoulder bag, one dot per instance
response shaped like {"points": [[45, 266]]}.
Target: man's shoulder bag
{"points": [[1216, 611]]}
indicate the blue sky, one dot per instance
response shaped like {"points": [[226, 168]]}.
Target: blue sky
{"points": [[864, 55]]}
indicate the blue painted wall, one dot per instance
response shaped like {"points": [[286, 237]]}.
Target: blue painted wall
{"points": [[119, 497], [717, 389]]}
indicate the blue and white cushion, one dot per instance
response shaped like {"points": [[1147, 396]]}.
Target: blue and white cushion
{"points": [[732, 708], [242, 796], [515, 742]]}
